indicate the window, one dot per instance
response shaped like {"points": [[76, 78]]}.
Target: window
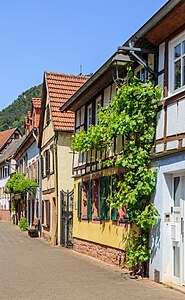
{"points": [[79, 209], [89, 115], [103, 205], [30, 171], [42, 166], [47, 114], [80, 119], [6, 171], [177, 63], [95, 195], [47, 207], [141, 73], [107, 96], [177, 191], [97, 107], [85, 200], [47, 162], [16, 136], [51, 160]]}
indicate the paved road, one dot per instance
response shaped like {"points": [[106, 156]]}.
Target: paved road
{"points": [[30, 269]]}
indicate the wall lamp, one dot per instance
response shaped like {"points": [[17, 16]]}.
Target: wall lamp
{"points": [[125, 56]]}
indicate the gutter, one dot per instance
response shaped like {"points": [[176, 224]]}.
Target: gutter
{"points": [[159, 15]]}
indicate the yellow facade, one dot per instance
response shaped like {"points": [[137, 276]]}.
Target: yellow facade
{"points": [[108, 232]]}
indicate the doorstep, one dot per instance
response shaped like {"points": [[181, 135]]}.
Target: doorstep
{"points": [[174, 286]]}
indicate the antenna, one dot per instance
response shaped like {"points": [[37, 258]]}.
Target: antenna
{"points": [[80, 70]]}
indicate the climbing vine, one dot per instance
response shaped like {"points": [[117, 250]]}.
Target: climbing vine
{"points": [[131, 114]]}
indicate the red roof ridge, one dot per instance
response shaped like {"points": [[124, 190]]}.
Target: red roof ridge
{"points": [[66, 75]]}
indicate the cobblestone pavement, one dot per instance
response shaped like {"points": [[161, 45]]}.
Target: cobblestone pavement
{"points": [[31, 269]]}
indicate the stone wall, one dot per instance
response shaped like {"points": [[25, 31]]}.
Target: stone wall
{"points": [[102, 252], [5, 215]]}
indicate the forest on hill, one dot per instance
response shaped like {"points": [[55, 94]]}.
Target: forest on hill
{"points": [[13, 115]]}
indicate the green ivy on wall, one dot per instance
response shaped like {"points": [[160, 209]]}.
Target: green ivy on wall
{"points": [[131, 114]]}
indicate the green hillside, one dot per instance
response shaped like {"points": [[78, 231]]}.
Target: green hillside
{"points": [[13, 115]]}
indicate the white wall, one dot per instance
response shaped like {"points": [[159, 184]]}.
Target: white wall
{"points": [[161, 242]]}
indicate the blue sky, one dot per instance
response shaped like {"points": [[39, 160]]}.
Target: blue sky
{"points": [[58, 36]]}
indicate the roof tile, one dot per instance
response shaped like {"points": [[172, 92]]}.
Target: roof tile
{"points": [[61, 87], [5, 135]]}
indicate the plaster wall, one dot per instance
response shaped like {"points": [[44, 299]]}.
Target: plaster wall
{"points": [[33, 152], [64, 168], [107, 233], [4, 201], [161, 243]]}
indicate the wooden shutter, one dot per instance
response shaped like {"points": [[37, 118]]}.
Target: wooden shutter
{"points": [[89, 199], [104, 206], [79, 210], [42, 166], [47, 162], [114, 212]]}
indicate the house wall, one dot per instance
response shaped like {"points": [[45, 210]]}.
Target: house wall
{"points": [[64, 169], [4, 198], [101, 239], [161, 241], [48, 182]]}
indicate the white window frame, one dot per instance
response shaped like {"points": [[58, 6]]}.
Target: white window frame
{"points": [[172, 44], [97, 107], [139, 70], [89, 115]]}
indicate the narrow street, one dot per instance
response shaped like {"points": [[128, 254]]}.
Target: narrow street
{"points": [[33, 269]]}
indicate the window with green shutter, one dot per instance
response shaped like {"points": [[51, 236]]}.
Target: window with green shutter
{"points": [[79, 210], [89, 199], [104, 206], [114, 211]]}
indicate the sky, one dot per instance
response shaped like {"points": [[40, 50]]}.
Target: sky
{"points": [[59, 36]]}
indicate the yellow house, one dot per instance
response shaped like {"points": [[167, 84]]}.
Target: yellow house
{"points": [[55, 138]]}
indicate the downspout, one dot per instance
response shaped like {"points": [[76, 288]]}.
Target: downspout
{"points": [[40, 186], [40, 192], [56, 186]]}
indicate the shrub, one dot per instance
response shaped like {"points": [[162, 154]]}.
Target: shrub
{"points": [[23, 224]]}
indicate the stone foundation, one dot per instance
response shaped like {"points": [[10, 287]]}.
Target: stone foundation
{"points": [[5, 215], [102, 252]]}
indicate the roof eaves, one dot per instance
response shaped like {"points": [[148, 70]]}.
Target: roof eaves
{"points": [[158, 16], [67, 105], [161, 13]]}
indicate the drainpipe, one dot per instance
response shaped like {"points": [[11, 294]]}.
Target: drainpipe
{"points": [[56, 186], [40, 192], [40, 186]]}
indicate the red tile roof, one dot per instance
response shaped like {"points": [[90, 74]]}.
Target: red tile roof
{"points": [[5, 135], [60, 88]]}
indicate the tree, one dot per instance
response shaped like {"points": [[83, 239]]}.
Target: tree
{"points": [[19, 185]]}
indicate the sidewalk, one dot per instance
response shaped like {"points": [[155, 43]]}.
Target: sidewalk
{"points": [[31, 269]]}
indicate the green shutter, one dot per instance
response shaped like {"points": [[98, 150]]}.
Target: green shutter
{"points": [[114, 211], [104, 206], [89, 199], [79, 211]]}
